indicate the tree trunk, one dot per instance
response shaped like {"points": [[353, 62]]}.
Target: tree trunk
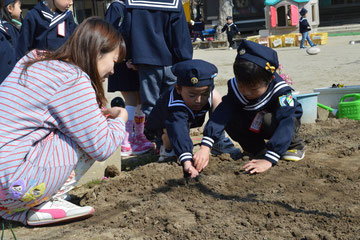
{"points": [[226, 8]]}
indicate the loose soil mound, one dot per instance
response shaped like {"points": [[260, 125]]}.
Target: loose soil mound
{"points": [[316, 198]]}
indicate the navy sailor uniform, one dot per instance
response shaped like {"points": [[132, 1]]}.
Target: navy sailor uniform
{"points": [[44, 30], [13, 33], [236, 114], [7, 52], [230, 29], [304, 25], [123, 79], [172, 113], [155, 28]]}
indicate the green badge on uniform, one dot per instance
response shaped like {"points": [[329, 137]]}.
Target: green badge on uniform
{"points": [[242, 51], [194, 80]]}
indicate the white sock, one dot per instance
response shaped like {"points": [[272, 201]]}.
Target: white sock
{"points": [[131, 112]]}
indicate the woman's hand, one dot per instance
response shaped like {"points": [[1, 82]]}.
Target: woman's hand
{"points": [[115, 112]]}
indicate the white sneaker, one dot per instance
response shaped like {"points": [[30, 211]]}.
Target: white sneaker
{"points": [[230, 48], [164, 154], [57, 211]]}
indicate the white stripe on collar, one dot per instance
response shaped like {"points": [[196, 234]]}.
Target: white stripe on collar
{"points": [[173, 103], [2, 27], [263, 101], [118, 1], [154, 4], [47, 15], [58, 18], [238, 94], [267, 98]]}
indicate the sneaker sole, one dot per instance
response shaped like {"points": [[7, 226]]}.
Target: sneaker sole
{"points": [[61, 220], [126, 154], [293, 158]]}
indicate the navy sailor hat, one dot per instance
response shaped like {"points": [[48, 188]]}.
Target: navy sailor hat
{"points": [[263, 56], [194, 73]]}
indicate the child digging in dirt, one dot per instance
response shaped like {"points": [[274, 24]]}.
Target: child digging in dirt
{"points": [[183, 107], [259, 106]]}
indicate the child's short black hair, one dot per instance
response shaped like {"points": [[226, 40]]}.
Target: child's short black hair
{"points": [[249, 73]]}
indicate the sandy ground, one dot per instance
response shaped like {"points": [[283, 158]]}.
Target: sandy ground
{"points": [[316, 198]]}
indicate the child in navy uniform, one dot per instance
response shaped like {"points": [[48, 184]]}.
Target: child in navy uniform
{"points": [[126, 80], [304, 29], [7, 53], [11, 15], [159, 38], [258, 106], [47, 26], [184, 107], [231, 30], [198, 27]]}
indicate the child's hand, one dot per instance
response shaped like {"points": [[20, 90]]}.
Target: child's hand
{"points": [[130, 65], [190, 170], [115, 112], [201, 158], [257, 166]]}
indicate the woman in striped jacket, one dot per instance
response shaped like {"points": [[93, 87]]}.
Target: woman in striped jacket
{"points": [[53, 120]]}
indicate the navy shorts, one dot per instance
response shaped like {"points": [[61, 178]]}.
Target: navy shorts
{"points": [[123, 79]]}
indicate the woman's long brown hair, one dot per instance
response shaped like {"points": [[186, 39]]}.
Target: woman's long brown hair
{"points": [[91, 39]]}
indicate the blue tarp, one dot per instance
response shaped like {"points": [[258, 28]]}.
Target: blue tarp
{"points": [[273, 2], [209, 32]]}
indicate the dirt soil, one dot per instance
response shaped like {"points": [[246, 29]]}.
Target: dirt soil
{"points": [[316, 198]]}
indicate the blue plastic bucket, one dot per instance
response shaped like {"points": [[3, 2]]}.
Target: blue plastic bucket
{"points": [[309, 105]]}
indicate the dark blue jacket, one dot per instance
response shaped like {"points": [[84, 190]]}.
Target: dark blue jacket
{"points": [[159, 35], [304, 25], [230, 29], [235, 106], [198, 26], [120, 19], [171, 112], [13, 32], [7, 53], [40, 29]]}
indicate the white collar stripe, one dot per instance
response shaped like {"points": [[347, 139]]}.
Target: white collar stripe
{"points": [[58, 18], [267, 99], [173, 4], [237, 92], [47, 15], [173, 102], [2, 28]]}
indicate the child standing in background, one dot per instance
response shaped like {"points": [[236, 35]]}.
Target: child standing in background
{"points": [[231, 30], [47, 26], [12, 20], [304, 29], [126, 80]]}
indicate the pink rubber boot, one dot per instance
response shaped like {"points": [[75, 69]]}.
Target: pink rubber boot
{"points": [[126, 146], [141, 144]]}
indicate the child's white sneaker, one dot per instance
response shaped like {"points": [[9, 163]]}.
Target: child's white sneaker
{"points": [[57, 211], [164, 154]]}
